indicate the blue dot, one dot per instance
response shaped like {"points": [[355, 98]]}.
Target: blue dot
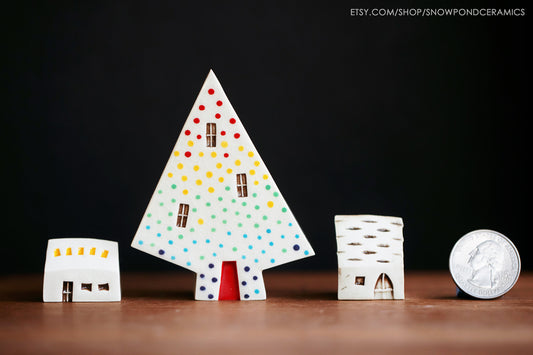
{"points": [[296, 247], [221, 245], [272, 261], [147, 227], [256, 292], [268, 230], [256, 260], [185, 249], [282, 236], [243, 257], [250, 247], [170, 242], [141, 242], [172, 258], [229, 233], [202, 288], [202, 276], [259, 237], [255, 278], [306, 252], [210, 296], [263, 252], [246, 268], [296, 236], [246, 296], [214, 254], [245, 235], [243, 283], [211, 266], [188, 263], [194, 241], [214, 279], [207, 241], [290, 224], [158, 234], [271, 243], [161, 252]]}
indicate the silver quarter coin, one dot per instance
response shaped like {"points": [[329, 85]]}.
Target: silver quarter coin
{"points": [[484, 264]]}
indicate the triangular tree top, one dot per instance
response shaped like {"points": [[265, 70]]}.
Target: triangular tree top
{"points": [[216, 202]]}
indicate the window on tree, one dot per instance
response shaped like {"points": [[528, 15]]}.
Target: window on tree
{"points": [[211, 134], [242, 187], [183, 213]]}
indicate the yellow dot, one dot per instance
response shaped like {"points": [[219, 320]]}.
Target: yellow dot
{"points": [[211, 190], [252, 172], [241, 148], [184, 178], [224, 144], [256, 182], [209, 174], [176, 153], [256, 163], [180, 166], [237, 162], [229, 171], [170, 175], [221, 179], [200, 221], [250, 154], [201, 154], [219, 165], [190, 143], [214, 154], [185, 192], [270, 204], [265, 176], [198, 182], [196, 168]]}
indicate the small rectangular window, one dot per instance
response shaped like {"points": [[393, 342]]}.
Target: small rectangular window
{"points": [[87, 287], [211, 134], [67, 291], [103, 287], [242, 186], [360, 280], [183, 214]]}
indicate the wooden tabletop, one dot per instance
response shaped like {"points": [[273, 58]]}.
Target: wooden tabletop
{"points": [[300, 316]]}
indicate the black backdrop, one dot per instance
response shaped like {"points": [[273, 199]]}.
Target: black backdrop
{"points": [[422, 118]]}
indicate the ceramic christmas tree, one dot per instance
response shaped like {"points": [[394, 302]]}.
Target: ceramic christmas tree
{"points": [[216, 209]]}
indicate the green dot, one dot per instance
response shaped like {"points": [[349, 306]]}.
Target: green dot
{"points": [[180, 236], [173, 186], [283, 210], [267, 187], [240, 224], [161, 203], [197, 197], [152, 245], [283, 250], [234, 249], [256, 225], [149, 215], [237, 213], [227, 188], [243, 204], [170, 214], [265, 218], [158, 222], [169, 228], [208, 204], [173, 200], [233, 201], [220, 198], [202, 257], [160, 191], [279, 222], [194, 209], [224, 221], [213, 216], [254, 194], [256, 207], [276, 194], [224, 209], [191, 230], [248, 216], [213, 230]]}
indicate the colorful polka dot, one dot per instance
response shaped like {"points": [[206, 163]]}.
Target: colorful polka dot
{"points": [[201, 107], [232, 120], [180, 166], [196, 120], [210, 91], [224, 144], [213, 154], [217, 116], [237, 135], [211, 190], [270, 204], [188, 154], [219, 103]]}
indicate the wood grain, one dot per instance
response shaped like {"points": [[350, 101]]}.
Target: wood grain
{"points": [[300, 316]]}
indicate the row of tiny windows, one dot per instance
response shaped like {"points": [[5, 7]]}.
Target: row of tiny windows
{"points": [[89, 287], [81, 251]]}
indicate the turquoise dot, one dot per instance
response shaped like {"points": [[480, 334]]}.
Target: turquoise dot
{"points": [[268, 231], [214, 254], [207, 241], [290, 224], [296, 236], [282, 236], [194, 242], [250, 247], [158, 234], [271, 244], [243, 257], [272, 260], [221, 245], [170, 242], [228, 233], [245, 235], [188, 263], [256, 260], [141, 242], [185, 249], [306, 252], [263, 252], [172, 258], [173, 186], [259, 237], [147, 227], [256, 291]]}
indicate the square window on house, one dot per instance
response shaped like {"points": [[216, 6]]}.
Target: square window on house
{"points": [[242, 186], [87, 287], [211, 134], [103, 287], [183, 214], [360, 280]]}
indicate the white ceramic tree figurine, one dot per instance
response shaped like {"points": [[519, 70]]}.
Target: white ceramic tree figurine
{"points": [[216, 209]]}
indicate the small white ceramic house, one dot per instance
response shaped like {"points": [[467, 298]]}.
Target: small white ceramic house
{"points": [[216, 209], [370, 257], [81, 270]]}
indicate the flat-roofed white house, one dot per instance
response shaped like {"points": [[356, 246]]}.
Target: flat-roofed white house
{"points": [[81, 270], [370, 257]]}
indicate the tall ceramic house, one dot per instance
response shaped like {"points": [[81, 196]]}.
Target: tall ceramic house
{"points": [[370, 257], [216, 209]]}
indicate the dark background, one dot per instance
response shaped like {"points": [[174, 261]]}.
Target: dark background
{"points": [[421, 118]]}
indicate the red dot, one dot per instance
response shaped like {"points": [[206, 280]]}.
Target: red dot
{"points": [[198, 137], [236, 135], [196, 120], [201, 107], [211, 91], [226, 155], [188, 154], [187, 132], [219, 103], [232, 120], [223, 133], [217, 115]]}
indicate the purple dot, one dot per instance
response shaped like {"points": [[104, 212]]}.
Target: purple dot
{"points": [[246, 296], [214, 279], [296, 247], [202, 276], [243, 283], [202, 288], [211, 266], [210, 296], [246, 268], [161, 252]]}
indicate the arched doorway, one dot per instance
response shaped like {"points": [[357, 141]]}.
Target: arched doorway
{"points": [[383, 289]]}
